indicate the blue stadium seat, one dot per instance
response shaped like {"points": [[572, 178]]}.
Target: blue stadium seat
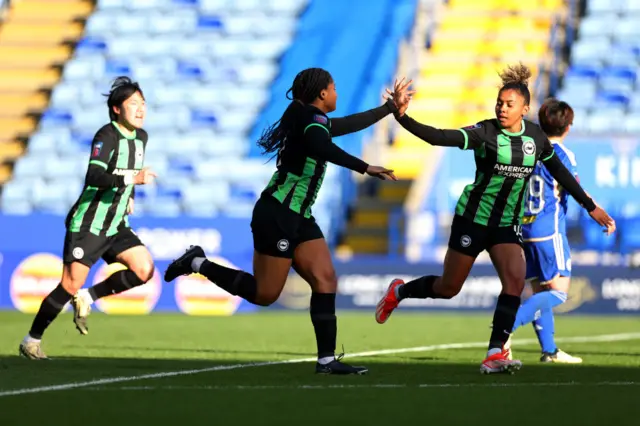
{"points": [[164, 207], [599, 6], [603, 120], [589, 51], [597, 25], [626, 29], [621, 54]]}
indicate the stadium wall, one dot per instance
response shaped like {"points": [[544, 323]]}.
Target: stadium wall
{"points": [[30, 266]]}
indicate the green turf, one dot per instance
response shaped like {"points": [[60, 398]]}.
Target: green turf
{"points": [[442, 386]]}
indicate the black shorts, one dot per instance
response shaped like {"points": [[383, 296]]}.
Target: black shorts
{"points": [[278, 230], [470, 238], [87, 248]]}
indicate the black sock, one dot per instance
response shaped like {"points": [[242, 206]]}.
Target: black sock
{"points": [[421, 288], [325, 324], [116, 283], [238, 283], [503, 319], [50, 307]]}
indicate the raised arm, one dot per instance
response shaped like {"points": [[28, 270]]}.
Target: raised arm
{"points": [[465, 138], [356, 122]]}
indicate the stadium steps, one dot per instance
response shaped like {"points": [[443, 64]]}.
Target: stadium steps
{"points": [[367, 231], [36, 38]]}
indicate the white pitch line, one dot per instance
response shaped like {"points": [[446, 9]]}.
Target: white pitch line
{"points": [[469, 345], [364, 386]]}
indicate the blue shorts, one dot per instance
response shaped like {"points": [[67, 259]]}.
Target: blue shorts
{"points": [[548, 259]]}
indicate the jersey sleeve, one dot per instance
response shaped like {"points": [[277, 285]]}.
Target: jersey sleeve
{"points": [[356, 122], [432, 135], [319, 144], [567, 180], [474, 136], [102, 148], [547, 150]]}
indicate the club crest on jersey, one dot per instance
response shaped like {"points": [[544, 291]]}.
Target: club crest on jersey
{"points": [[529, 148], [320, 119], [472, 127], [97, 149]]}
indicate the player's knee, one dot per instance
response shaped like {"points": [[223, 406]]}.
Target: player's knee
{"points": [[266, 297], [71, 286], [449, 291], [326, 281], [513, 284], [144, 270]]}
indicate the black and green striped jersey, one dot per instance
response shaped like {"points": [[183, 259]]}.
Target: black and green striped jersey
{"points": [[504, 163], [115, 158], [302, 160]]}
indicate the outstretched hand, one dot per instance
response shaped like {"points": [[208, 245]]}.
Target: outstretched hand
{"points": [[401, 95], [603, 219], [381, 173]]}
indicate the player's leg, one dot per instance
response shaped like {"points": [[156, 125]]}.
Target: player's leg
{"points": [[465, 243], [549, 271], [126, 248], [544, 326], [542, 267], [80, 252], [274, 243], [312, 261], [507, 256]]}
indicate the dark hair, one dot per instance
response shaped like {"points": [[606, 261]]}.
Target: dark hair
{"points": [[121, 90], [305, 89], [555, 116], [516, 77]]}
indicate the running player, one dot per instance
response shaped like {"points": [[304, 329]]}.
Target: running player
{"points": [[489, 212], [545, 239], [97, 225], [285, 233]]}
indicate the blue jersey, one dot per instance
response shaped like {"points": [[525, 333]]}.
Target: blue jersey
{"points": [[546, 202]]}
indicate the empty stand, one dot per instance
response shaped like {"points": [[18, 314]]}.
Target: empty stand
{"points": [[205, 68], [33, 45]]}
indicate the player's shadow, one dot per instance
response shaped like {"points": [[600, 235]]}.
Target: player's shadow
{"points": [[151, 391], [197, 350]]}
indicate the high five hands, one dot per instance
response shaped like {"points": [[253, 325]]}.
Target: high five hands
{"points": [[401, 95]]}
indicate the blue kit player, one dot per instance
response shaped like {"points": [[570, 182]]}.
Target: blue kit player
{"points": [[545, 240]]}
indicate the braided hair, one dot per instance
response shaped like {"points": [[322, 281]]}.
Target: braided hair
{"points": [[305, 89], [121, 90], [516, 77]]}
